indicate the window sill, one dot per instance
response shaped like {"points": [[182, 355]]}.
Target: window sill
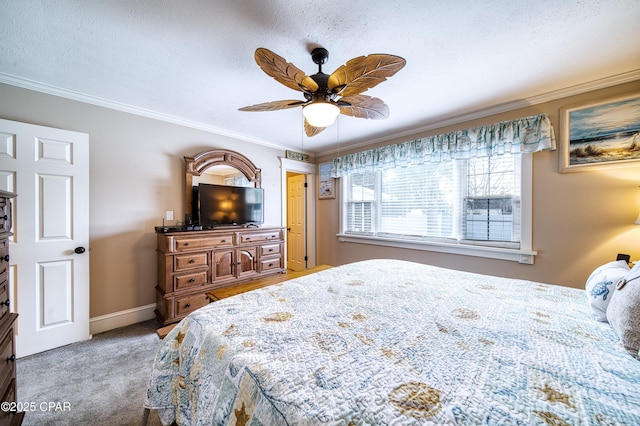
{"points": [[514, 255]]}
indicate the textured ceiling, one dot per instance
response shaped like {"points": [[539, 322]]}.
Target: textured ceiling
{"points": [[191, 61]]}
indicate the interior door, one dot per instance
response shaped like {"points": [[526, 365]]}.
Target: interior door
{"points": [[296, 218], [49, 170]]}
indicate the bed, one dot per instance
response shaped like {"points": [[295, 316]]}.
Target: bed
{"points": [[383, 342]]}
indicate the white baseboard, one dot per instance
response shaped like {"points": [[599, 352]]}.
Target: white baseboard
{"points": [[121, 319]]}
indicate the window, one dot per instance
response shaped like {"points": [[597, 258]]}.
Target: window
{"points": [[360, 207], [492, 200], [464, 203]]}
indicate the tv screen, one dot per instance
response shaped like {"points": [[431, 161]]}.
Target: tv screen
{"points": [[229, 205]]}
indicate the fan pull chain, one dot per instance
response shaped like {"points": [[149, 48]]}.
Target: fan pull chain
{"points": [[302, 132], [338, 126]]}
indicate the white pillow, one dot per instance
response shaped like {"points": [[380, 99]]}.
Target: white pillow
{"points": [[624, 311], [600, 286]]}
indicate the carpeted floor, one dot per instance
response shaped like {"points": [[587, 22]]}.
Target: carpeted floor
{"points": [[101, 381]]}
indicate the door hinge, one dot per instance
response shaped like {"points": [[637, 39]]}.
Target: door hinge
{"points": [[306, 258], [305, 184]]}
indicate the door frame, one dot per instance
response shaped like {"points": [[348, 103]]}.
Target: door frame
{"points": [[308, 169]]}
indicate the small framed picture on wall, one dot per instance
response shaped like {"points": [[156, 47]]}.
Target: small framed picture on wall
{"points": [[326, 189], [600, 134]]}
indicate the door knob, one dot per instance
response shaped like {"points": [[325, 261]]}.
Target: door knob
{"points": [[79, 250]]}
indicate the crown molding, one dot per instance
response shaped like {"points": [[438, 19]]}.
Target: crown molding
{"points": [[106, 103], [578, 89]]}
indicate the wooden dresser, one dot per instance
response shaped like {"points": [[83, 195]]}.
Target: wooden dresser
{"points": [[192, 263], [8, 414]]}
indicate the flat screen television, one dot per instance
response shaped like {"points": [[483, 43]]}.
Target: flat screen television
{"points": [[228, 205]]}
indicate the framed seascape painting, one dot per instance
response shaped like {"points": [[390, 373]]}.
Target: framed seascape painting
{"points": [[600, 134]]}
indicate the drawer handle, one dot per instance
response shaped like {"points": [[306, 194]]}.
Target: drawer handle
{"points": [[6, 302], [270, 250], [271, 264], [248, 239], [223, 241], [192, 280], [192, 261], [12, 358], [5, 258], [188, 305], [5, 217], [186, 244]]}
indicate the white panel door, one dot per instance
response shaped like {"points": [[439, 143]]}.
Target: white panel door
{"points": [[49, 171], [296, 219]]}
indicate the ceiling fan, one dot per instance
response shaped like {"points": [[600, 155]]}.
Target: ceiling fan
{"points": [[327, 96]]}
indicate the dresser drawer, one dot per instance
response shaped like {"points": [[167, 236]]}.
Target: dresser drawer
{"points": [[188, 304], [9, 395], [259, 236], [4, 296], [195, 243], [4, 256], [5, 214], [268, 264], [12, 417], [183, 281], [270, 249], [184, 262], [7, 357]]}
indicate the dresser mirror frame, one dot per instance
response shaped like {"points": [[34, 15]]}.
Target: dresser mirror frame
{"points": [[199, 163]]}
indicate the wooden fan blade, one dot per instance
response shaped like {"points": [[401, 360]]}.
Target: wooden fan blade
{"points": [[364, 72], [311, 130], [284, 72], [362, 106], [273, 106]]}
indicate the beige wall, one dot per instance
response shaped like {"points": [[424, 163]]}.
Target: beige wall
{"points": [[580, 220], [136, 173]]}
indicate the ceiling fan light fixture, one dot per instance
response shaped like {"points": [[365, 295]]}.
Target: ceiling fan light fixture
{"points": [[321, 113]]}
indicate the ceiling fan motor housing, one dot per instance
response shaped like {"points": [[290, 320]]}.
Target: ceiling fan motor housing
{"points": [[321, 79]]}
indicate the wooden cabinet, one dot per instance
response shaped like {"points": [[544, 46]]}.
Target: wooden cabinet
{"points": [[7, 320], [192, 263], [234, 264]]}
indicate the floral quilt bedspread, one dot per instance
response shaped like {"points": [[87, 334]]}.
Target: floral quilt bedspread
{"points": [[383, 342]]}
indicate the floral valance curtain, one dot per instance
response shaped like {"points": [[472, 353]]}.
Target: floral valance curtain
{"points": [[528, 134]]}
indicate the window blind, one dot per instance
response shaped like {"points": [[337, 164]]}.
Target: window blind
{"points": [[475, 200]]}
